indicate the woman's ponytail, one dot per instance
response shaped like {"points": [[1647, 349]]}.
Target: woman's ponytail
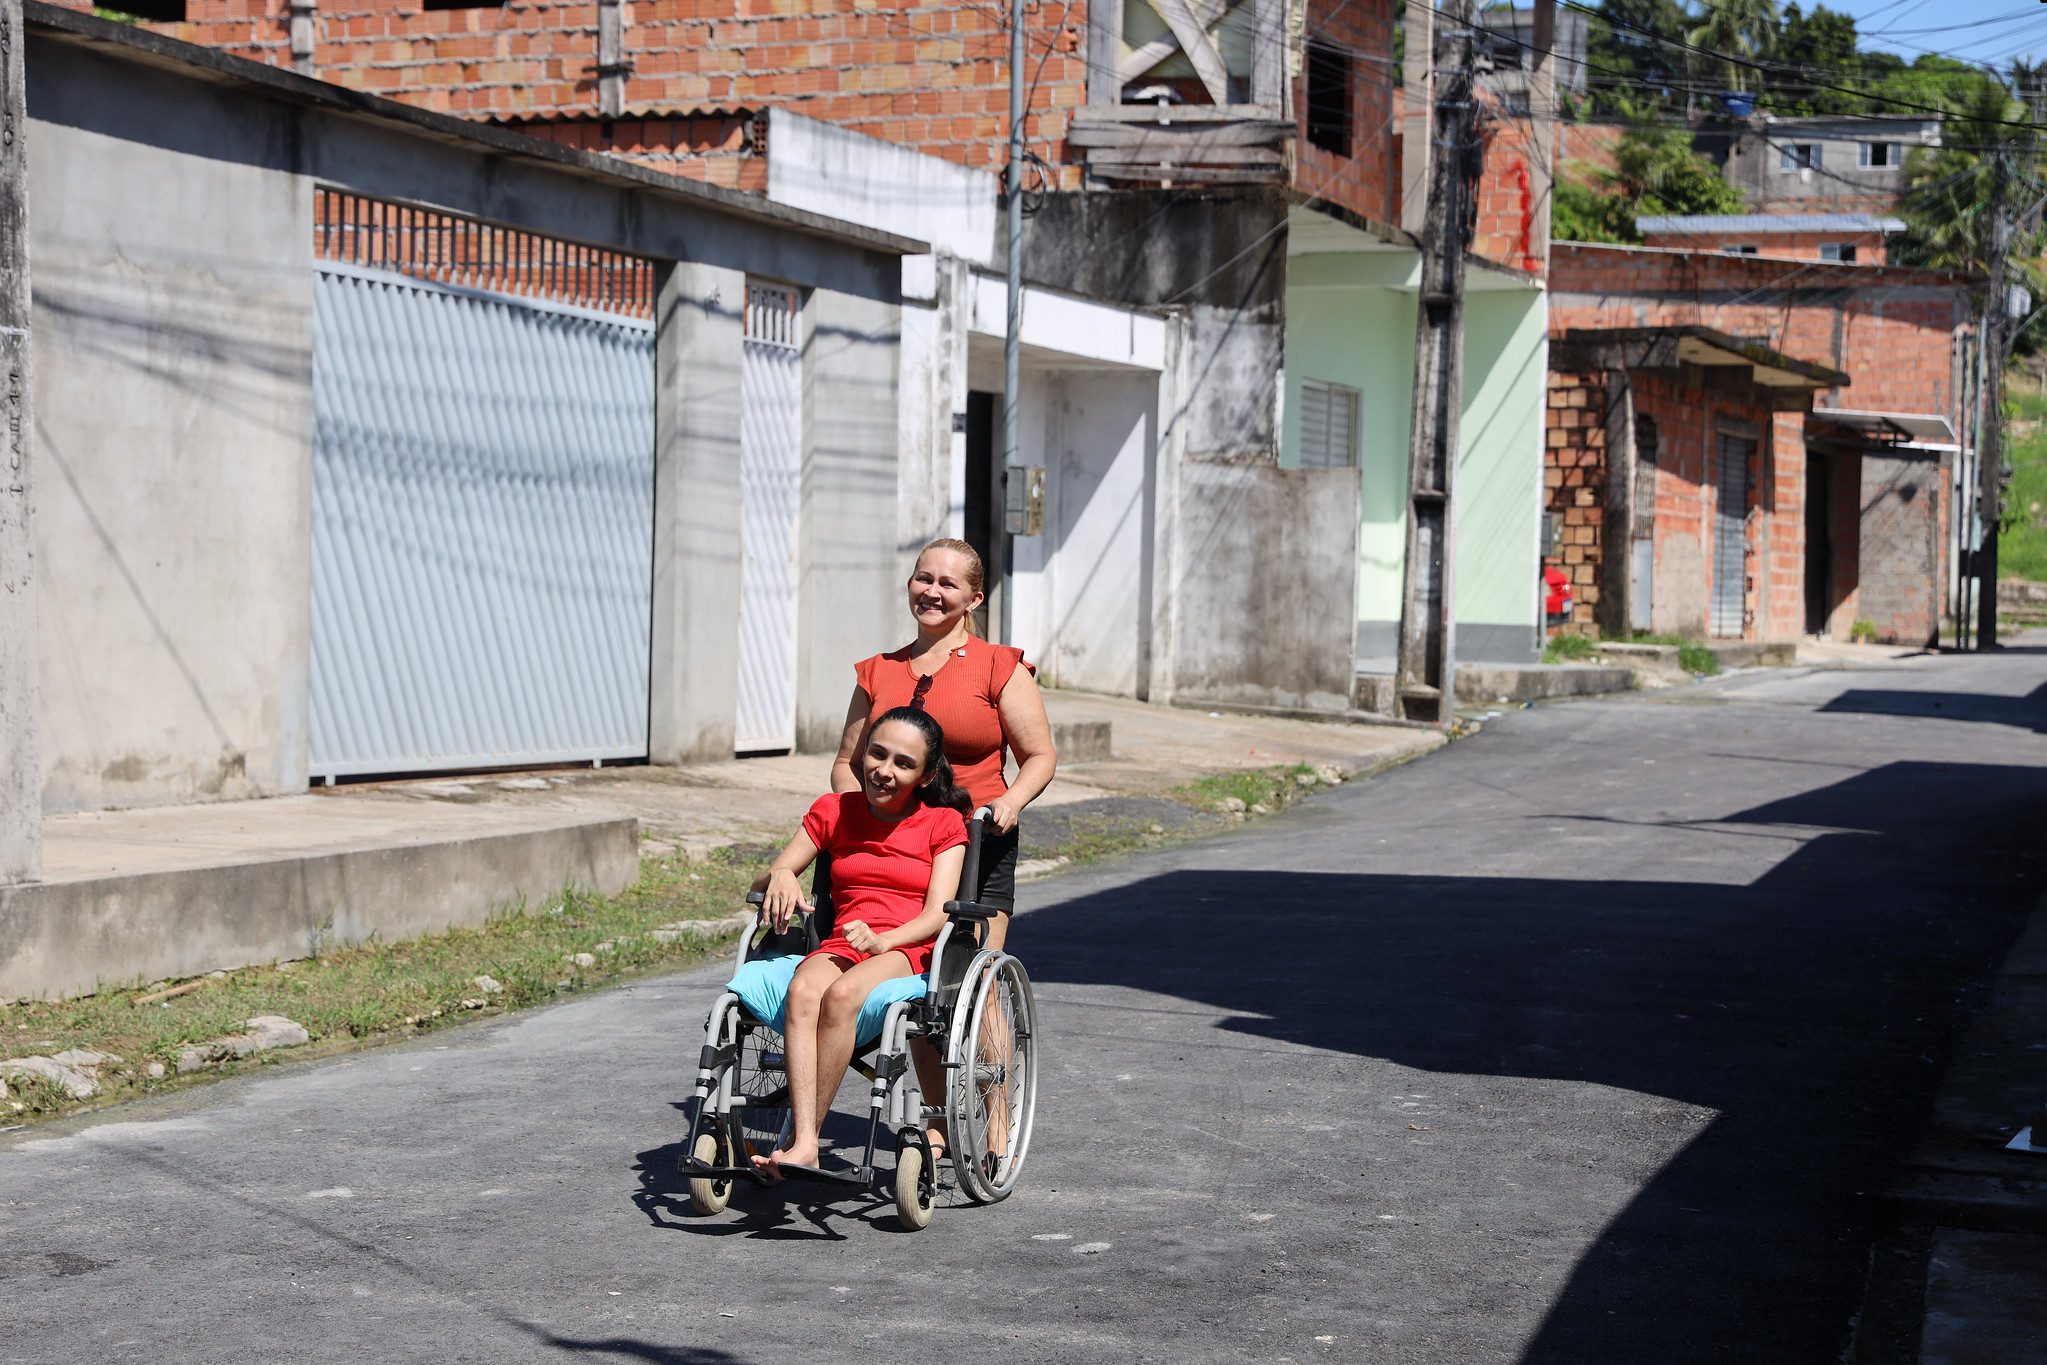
{"points": [[940, 787]]}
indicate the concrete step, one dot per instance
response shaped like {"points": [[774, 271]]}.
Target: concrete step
{"points": [[178, 891], [1730, 653], [1490, 684]]}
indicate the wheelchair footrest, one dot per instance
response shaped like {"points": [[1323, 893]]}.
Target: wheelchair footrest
{"points": [[791, 1169]]}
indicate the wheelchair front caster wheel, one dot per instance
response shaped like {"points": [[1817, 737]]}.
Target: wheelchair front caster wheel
{"points": [[706, 1194], [914, 1201]]}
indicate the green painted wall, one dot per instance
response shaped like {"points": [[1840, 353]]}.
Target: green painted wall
{"points": [[1350, 320]]}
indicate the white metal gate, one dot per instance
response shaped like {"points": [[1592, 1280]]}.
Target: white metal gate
{"points": [[1730, 534], [483, 472], [770, 493]]}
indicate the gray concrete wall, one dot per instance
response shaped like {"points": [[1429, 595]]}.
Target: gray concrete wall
{"points": [[852, 592], [1263, 593], [76, 937], [21, 807], [176, 409], [173, 307], [696, 515]]}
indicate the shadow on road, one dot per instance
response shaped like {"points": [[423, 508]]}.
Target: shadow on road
{"points": [[2027, 712], [1811, 1010]]}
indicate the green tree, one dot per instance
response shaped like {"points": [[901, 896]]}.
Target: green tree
{"points": [[1950, 208], [1820, 46], [1656, 172], [1633, 74], [1739, 29]]}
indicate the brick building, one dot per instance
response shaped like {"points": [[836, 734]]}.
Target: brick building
{"points": [[1858, 238], [1840, 442]]}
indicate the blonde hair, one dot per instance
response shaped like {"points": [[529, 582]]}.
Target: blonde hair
{"points": [[975, 575]]}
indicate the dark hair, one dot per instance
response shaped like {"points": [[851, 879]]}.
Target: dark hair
{"points": [[939, 788]]}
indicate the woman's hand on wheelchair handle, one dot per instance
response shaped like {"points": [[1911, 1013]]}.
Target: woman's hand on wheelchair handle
{"points": [[784, 898], [863, 938], [1003, 813]]}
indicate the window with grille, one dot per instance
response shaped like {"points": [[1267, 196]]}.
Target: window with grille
{"points": [[1329, 425], [447, 248], [1837, 251], [771, 315], [1329, 98]]}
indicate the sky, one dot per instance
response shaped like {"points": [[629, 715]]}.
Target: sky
{"points": [[1993, 31]]}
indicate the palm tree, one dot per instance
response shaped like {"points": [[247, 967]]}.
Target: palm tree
{"points": [[1731, 29], [1948, 207]]}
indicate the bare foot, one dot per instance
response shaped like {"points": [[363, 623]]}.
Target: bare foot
{"points": [[935, 1136], [796, 1154]]}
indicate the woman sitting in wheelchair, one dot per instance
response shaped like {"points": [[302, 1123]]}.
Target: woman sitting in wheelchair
{"points": [[897, 846]]}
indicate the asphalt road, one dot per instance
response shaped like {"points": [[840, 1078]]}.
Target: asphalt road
{"points": [[1580, 1040]]}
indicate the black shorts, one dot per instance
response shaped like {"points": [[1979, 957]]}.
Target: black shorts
{"points": [[998, 870]]}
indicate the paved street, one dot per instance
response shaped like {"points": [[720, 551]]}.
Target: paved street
{"points": [[1577, 1041]]}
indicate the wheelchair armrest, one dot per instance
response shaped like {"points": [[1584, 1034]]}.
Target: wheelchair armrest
{"points": [[972, 910]]}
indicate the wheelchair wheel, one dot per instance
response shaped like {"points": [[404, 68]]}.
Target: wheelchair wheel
{"points": [[995, 1082], [763, 1085], [914, 1196], [706, 1195]]}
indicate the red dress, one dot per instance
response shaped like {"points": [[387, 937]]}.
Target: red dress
{"points": [[963, 696], [881, 870]]}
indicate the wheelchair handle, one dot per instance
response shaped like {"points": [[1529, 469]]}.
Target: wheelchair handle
{"points": [[970, 870]]}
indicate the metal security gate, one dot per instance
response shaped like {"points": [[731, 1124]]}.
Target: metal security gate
{"points": [[770, 495], [1730, 533], [483, 471]]}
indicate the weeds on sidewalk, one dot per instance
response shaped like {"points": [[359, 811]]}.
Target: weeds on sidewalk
{"points": [[382, 992], [1570, 649], [1272, 788]]}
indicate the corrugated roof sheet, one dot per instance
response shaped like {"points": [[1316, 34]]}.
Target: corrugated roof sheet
{"points": [[1759, 223]]}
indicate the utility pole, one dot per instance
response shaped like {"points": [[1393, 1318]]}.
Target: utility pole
{"points": [[1012, 376], [21, 785], [1990, 440], [1425, 685]]}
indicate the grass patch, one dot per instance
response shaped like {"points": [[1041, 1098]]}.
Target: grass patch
{"points": [[1272, 788], [1693, 655], [1570, 649], [354, 997], [2022, 541]]}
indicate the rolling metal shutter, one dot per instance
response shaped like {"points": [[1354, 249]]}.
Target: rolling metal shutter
{"points": [[483, 472], [1730, 534], [770, 494]]}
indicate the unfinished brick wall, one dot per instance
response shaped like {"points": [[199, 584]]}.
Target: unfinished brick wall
{"points": [[1899, 584], [1794, 246], [1367, 182], [1510, 194], [930, 75], [1891, 329], [1574, 486], [716, 148], [1687, 502]]}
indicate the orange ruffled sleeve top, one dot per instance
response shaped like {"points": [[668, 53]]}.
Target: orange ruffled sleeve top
{"points": [[963, 698]]}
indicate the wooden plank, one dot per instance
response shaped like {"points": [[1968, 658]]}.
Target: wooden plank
{"points": [[1097, 115], [1206, 12], [1104, 40], [1205, 175], [1202, 134], [1268, 46], [1186, 154], [1200, 49]]}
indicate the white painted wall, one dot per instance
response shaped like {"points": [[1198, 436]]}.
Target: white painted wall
{"points": [[824, 168], [1082, 590]]}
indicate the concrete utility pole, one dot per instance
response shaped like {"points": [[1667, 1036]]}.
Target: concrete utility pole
{"points": [[1990, 441], [1012, 377], [21, 766], [1543, 118], [1424, 686]]}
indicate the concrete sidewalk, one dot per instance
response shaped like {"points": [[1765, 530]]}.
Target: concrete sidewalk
{"points": [[180, 891], [756, 800]]}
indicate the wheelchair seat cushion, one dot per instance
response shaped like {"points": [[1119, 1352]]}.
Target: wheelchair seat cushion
{"points": [[762, 985]]}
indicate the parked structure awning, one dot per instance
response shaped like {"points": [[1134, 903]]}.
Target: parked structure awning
{"points": [[1737, 358], [1913, 428]]}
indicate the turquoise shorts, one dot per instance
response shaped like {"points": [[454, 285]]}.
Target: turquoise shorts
{"points": [[762, 985]]}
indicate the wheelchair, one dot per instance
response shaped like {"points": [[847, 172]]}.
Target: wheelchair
{"points": [[976, 1011]]}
